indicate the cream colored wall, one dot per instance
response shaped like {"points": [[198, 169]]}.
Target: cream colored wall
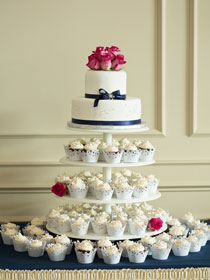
{"points": [[43, 52]]}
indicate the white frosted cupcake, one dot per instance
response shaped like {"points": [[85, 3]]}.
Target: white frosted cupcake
{"points": [[8, 234], [64, 240], [141, 189], [102, 146], [103, 244], [56, 252], [165, 237], [63, 223], [36, 232], [36, 248], [124, 191], [52, 218], [187, 218], [195, 243], [202, 236], [80, 227], [137, 226], [178, 232], [181, 247], [93, 183], [148, 242], [85, 251], [137, 253], [204, 227], [39, 221], [10, 226], [20, 242], [77, 188], [112, 254], [90, 152], [194, 224], [104, 191], [173, 222], [124, 245], [48, 238], [73, 150], [147, 151], [112, 154], [152, 183], [131, 153], [115, 228], [99, 225], [160, 250]]}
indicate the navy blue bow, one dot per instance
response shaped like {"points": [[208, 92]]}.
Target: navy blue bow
{"points": [[104, 95]]}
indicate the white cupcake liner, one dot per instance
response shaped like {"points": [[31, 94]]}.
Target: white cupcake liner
{"points": [[99, 253], [80, 230], [7, 239], [57, 255], [113, 157], [51, 222], [146, 155], [99, 229], [64, 226], [91, 189], [137, 257], [203, 239], [111, 259], [152, 186], [77, 192], [181, 251], [85, 258], [195, 247], [101, 156], [90, 155], [73, 154], [131, 156], [36, 252], [148, 246], [124, 194], [136, 229], [115, 231], [160, 254], [140, 193], [124, 250], [103, 194], [20, 246]]}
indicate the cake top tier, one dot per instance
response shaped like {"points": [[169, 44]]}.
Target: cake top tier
{"points": [[107, 58]]}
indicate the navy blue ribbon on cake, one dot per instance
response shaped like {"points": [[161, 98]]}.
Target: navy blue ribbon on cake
{"points": [[104, 123], [104, 95]]}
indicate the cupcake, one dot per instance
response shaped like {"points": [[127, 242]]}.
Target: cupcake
{"points": [[64, 178], [123, 142], [39, 221], [173, 222], [178, 232], [131, 153], [135, 177], [124, 191], [160, 250], [115, 228], [85, 251], [112, 154], [63, 223], [8, 234], [194, 224], [195, 243], [181, 247], [96, 140], [102, 146], [152, 183], [137, 226], [103, 244], [137, 142], [93, 183], [48, 238], [85, 175], [56, 252], [77, 188], [148, 242], [187, 218], [147, 151], [99, 224], [90, 152], [36, 248], [164, 237], [52, 218], [112, 254], [124, 245], [202, 236], [9, 226], [103, 191], [137, 253], [73, 150], [80, 227], [204, 227], [20, 242], [141, 188]]}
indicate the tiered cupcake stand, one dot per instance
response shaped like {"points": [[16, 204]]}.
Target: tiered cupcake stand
{"points": [[107, 174]]}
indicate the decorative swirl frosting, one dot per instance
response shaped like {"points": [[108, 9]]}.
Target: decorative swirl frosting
{"points": [[130, 147], [85, 245], [104, 242], [146, 145], [138, 247], [160, 245], [111, 250], [112, 149], [92, 146]]}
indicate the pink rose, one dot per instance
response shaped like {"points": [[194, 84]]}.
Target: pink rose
{"points": [[59, 189], [93, 62], [118, 62], [113, 51], [106, 62], [99, 52], [155, 223]]}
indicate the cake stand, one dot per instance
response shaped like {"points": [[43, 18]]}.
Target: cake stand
{"points": [[107, 174]]}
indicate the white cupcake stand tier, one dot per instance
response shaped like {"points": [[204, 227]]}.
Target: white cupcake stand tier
{"points": [[107, 174]]}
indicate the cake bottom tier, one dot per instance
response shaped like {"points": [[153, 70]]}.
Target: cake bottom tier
{"points": [[110, 112]]}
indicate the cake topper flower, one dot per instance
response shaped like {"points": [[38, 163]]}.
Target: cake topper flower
{"points": [[59, 189], [106, 59], [155, 223]]}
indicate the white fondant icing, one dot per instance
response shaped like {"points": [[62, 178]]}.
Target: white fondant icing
{"points": [[108, 80]]}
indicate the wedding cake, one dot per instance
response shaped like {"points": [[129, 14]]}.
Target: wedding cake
{"points": [[105, 102]]}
